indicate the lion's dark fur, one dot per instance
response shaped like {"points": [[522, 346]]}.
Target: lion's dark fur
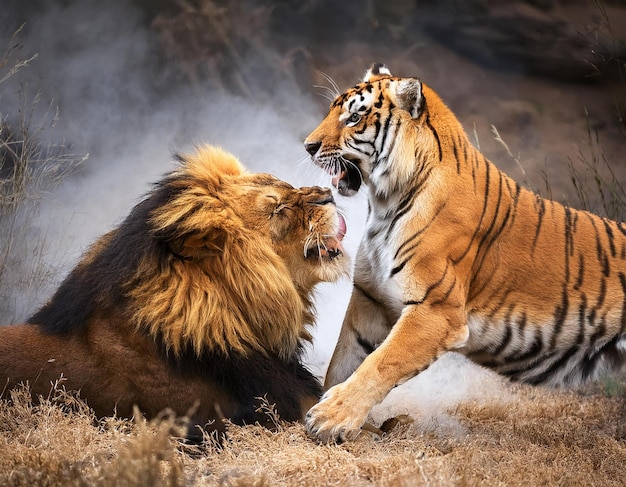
{"points": [[102, 282]]}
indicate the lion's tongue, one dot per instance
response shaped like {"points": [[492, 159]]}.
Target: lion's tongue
{"points": [[332, 246]]}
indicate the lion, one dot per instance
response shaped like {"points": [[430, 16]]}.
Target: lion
{"points": [[199, 302]]}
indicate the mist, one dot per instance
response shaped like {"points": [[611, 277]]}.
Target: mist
{"points": [[120, 104]]}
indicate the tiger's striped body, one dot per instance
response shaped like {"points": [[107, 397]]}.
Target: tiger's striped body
{"points": [[457, 256]]}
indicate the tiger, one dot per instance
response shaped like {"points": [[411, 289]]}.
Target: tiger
{"points": [[457, 256]]}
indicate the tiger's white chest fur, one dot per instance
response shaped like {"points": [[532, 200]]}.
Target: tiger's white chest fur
{"points": [[375, 262]]}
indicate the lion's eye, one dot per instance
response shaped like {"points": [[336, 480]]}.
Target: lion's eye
{"points": [[353, 119], [278, 209]]}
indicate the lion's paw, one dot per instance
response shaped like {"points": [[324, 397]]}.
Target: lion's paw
{"points": [[338, 416]]}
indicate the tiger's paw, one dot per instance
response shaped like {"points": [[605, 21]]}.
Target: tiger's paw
{"points": [[338, 416]]}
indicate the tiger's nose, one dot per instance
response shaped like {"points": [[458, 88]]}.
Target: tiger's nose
{"points": [[312, 147]]}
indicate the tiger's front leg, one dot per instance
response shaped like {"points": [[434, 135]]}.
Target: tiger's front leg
{"points": [[420, 336], [364, 327]]}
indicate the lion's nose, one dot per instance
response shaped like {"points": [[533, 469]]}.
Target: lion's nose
{"points": [[324, 197], [317, 195], [312, 147]]}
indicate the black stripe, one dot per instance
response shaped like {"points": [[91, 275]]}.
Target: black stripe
{"points": [[379, 102], [480, 220], [356, 143], [405, 205], [385, 133], [608, 352], [580, 338], [603, 258], [429, 289], [404, 247], [622, 280], [599, 333], [601, 293], [560, 313], [429, 125], [609, 234], [398, 268], [506, 339], [556, 366], [352, 143], [569, 241], [446, 295], [456, 158], [591, 317], [582, 309], [495, 217], [535, 349], [541, 211], [466, 148], [393, 140], [581, 272], [365, 345], [368, 296]]}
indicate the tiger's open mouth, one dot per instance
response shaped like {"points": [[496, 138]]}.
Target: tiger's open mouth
{"points": [[348, 180], [328, 247]]}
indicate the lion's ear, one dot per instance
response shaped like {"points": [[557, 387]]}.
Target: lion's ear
{"points": [[192, 218], [198, 247], [195, 229]]}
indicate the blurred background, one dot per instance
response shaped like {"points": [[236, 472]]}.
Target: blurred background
{"points": [[95, 97]]}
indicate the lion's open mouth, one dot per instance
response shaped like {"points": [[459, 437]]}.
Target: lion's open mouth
{"points": [[349, 179], [328, 248]]}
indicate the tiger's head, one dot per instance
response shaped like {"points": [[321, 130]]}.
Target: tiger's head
{"points": [[374, 133]]}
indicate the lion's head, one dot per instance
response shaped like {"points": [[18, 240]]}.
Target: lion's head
{"points": [[246, 251], [213, 259]]}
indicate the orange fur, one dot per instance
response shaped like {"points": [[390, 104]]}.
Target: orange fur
{"points": [[198, 302], [457, 256]]}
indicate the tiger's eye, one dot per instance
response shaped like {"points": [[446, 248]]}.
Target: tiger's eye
{"points": [[354, 118]]}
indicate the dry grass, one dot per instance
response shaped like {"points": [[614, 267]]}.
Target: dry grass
{"points": [[32, 165], [537, 437]]}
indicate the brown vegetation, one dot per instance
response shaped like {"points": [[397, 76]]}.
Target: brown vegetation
{"points": [[534, 437]]}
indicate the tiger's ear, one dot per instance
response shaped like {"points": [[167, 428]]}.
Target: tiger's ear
{"points": [[376, 72], [407, 94]]}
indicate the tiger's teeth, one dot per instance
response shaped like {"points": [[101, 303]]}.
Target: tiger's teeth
{"points": [[337, 178]]}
